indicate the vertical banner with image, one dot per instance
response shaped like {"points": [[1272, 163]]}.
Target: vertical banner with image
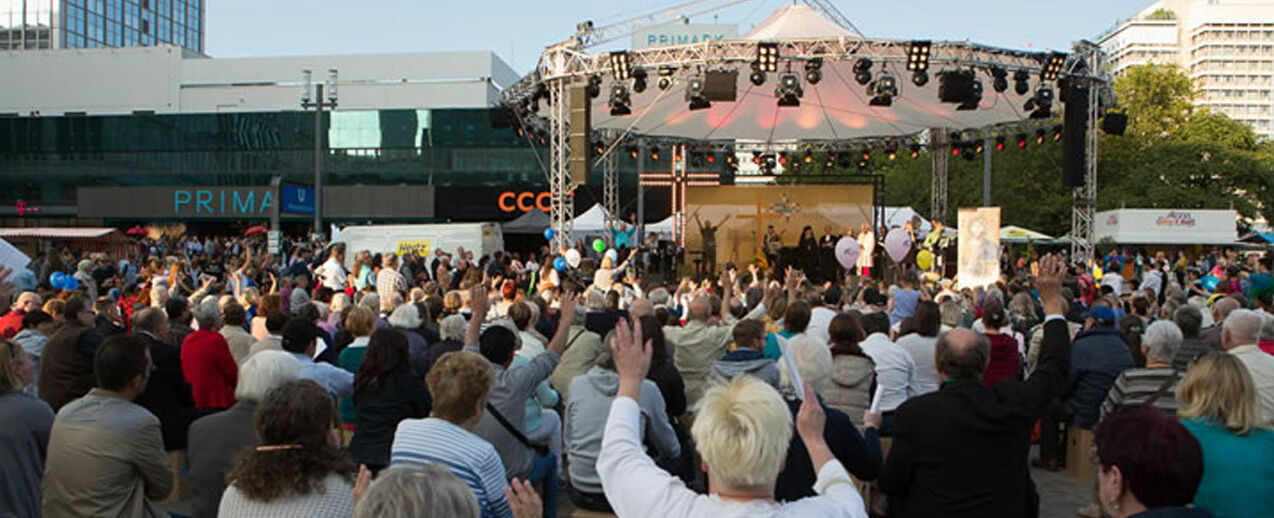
{"points": [[979, 251]]}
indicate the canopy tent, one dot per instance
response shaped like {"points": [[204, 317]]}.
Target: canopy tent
{"points": [[591, 222], [533, 222], [75, 239], [1016, 234], [836, 108], [1167, 226], [662, 227]]}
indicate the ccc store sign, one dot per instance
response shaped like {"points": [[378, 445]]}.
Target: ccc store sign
{"points": [[510, 201]]}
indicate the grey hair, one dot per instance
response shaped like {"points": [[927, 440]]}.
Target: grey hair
{"points": [[371, 301], [431, 490], [1267, 324], [407, 316], [452, 328], [208, 314], [813, 361], [1244, 326], [1162, 340], [340, 301], [659, 296], [264, 371]]}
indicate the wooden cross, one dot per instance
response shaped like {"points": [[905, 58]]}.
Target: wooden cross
{"points": [[759, 218], [678, 179]]}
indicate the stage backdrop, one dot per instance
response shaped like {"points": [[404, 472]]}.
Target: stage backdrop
{"points": [[979, 250], [790, 207]]}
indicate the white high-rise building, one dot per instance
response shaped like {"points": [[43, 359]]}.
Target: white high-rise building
{"points": [[1226, 46], [71, 24]]}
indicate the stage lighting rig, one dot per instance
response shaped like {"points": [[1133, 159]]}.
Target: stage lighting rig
{"points": [[809, 156], [1053, 64], [1039, 136], [621, 65], [632, 152], [1040, 105], [918, 55], [1057, 133], [639, 80], [665, 77], [654, 153], [883, 91], [767, 56], [891, 151], [1021, 140], [813, 70], [594, 86], [1021, 82], [961, 87], [695, 95], [757, 77], [789, 90], [620, 101], [1000, 79], [862, 71], [915, 150], [999, 143]]}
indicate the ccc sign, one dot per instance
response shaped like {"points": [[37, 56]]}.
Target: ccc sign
{"points": [[510, 201]]}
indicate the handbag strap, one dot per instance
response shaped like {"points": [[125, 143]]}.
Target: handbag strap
{"points": [[1163, 389], [517, 434]]}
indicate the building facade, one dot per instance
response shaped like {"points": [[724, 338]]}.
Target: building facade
{"points": [[1226, 46], [56, 24]]}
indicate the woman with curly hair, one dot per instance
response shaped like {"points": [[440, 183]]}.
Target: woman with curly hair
{"points": [[299, 468]]}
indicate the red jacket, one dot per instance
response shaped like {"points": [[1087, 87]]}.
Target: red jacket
{"points": [[1004, 359], [11, 323], [209, 368]]}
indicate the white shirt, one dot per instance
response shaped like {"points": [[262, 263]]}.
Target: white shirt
{"points": [[635, 486], [531, 346], [1115, 282], [895, 369], [867, 244], [333, 274], [820, 321], [921, 349], [1261, 366]]}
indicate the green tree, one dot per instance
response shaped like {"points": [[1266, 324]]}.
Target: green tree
{"points": [[1158, 100]]}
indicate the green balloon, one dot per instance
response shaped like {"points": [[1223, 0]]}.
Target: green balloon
{"points": [[599, 246]]}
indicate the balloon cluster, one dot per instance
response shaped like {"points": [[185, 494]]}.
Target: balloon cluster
{"points": [[62, 281]]}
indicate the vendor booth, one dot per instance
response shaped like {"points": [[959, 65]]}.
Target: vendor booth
{"points": [[1167, 227]]}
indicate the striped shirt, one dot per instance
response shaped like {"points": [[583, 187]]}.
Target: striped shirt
{"points": [[424, 441], [1139, 385]]}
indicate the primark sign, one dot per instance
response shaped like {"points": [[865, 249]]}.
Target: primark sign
{"points": [[683, 33]]}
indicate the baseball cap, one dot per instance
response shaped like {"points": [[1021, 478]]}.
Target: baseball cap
{"points": [[1102, 314]]}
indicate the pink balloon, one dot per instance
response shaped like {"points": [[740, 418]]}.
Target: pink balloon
{"points": [[897, 244], [847, 252]]}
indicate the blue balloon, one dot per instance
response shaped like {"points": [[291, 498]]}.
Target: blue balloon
{"points": [[560, 264], [56, 279], [70, 283], [548, 234]]}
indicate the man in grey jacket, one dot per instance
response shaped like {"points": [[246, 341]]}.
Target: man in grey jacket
{"points": [[746, 357], [586, 413]]}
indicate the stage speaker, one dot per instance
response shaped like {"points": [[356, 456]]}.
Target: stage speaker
{"points": [[1074, 135], [578, 139], [1114, 123], [501, 117], [956, 86], [721, 85]]}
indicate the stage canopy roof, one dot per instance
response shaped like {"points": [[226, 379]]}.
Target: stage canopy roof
{"points": [[835, 109]]}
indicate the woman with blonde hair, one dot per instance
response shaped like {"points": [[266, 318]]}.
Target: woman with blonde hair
{"points": [[1217, 403]]}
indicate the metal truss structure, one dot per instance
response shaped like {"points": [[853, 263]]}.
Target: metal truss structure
{"points": [[1084, 202], [938, 176]]}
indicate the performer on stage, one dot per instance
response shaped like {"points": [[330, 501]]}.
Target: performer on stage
{"points": [[867, 245], [827, 253], [773, 246], [935, 242], [708, 231], [808, 250]]}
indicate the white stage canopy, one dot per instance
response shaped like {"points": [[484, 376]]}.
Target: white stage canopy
{"points": [[1016, 234], [591, 222], [1167, 226]]}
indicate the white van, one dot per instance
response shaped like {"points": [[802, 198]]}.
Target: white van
{"points": [[479, 238]]}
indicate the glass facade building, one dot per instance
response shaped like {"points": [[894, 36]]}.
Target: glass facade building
{"points": [[46, 24]]}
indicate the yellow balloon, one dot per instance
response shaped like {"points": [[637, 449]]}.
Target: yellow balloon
{"points": [[924, 259]]}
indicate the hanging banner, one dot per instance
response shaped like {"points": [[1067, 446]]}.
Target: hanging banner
{"points": [[979, 251]]}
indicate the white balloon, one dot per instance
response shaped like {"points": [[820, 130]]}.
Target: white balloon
{"points": [[847, 252], [897, 244], [572, 258], [612, 254]]}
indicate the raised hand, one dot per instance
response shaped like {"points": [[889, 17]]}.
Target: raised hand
{"points": [[478, 301], [810, 420], [632, 358], [1049, 284], [524, 501]]}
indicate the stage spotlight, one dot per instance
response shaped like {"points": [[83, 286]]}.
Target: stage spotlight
{"points": [[883, 91], [999, 143], [1021, 140], [783, 158], [598, 147], [864, 159], [969, 152], [1041, 105], [1000, 79], [620, 101], [594, 87], [813, 70], [862, 71], [639, 80], [1057, 133], [711, 158], [632, 152], [665, 77], [621, 65], [789, 90], [695, 95], [920, 78], [1021, 82], [918, 55], [696, 160], [1053, 64], [955, 149], [732, 161], [978, 148], [769, 162], [758, 76], [1039, 136], [830, 162], [891, 151], [544, 139], [915, 150], [845, 161], [809, 156], [756, 157], [767, 56], [654, 153]]}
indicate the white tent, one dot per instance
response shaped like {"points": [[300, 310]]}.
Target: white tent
{"points": [[1167, 226], [836, 108], [662, 227], [898, 216], [533, 222], [1015, 234], [592, 221]]}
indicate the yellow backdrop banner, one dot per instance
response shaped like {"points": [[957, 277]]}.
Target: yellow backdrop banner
{"points": [[788, 207]]}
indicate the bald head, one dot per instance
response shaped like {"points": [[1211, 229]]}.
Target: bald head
{"points": [[700, 308], [1222, 308], [962, 354], [641, 308], [1242, 327]]}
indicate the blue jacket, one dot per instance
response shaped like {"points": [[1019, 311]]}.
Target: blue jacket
{"points": [[1098, 356]]}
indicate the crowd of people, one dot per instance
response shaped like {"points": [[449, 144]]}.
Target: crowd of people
{"points": [[454, 385]]}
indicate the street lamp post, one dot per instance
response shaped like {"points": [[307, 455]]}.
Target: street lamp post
{"points": [[318, 103]]}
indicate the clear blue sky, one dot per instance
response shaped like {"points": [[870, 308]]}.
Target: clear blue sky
{"points": [[518, 30]]}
